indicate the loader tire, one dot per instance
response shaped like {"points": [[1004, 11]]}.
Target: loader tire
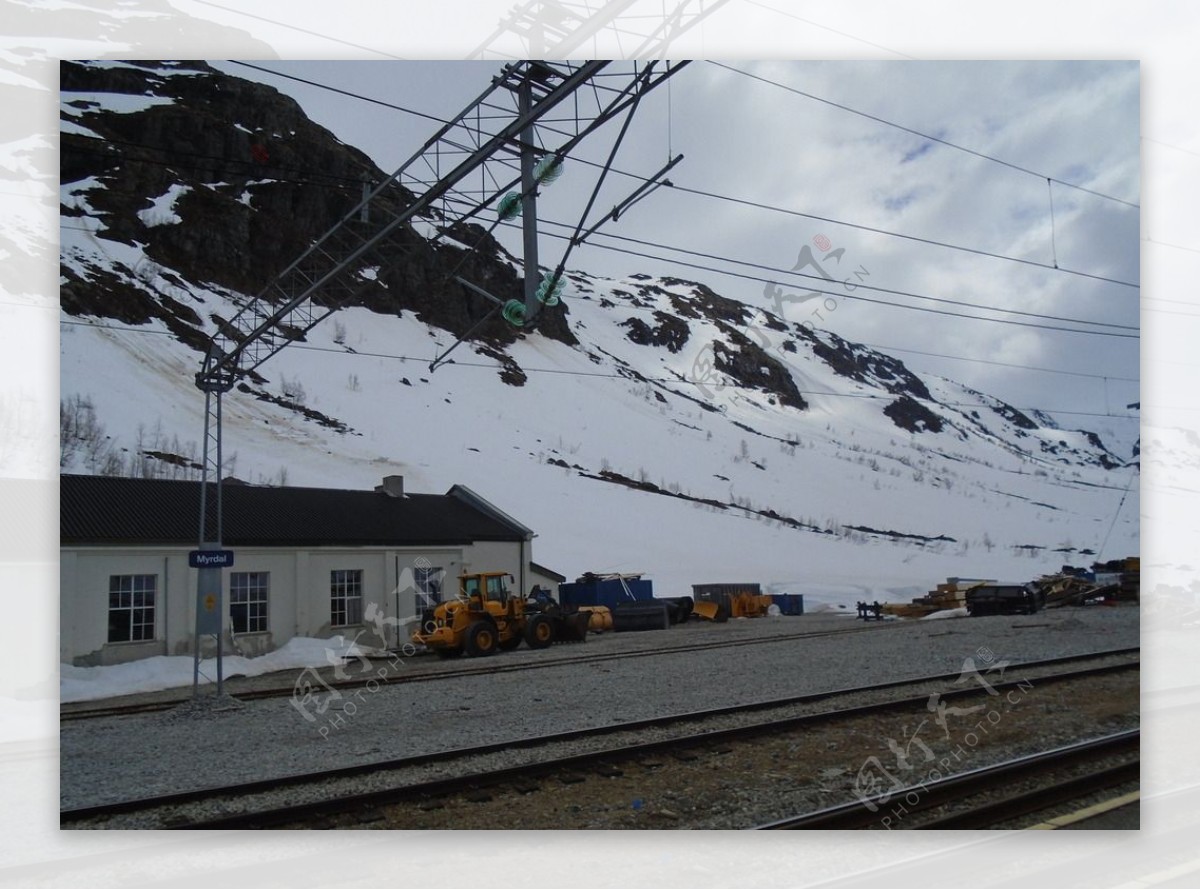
{"points": [[511, 643], [539, 632], [481, 639]]}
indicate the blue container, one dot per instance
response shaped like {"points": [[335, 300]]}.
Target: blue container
{"points": [[789, 603], [604, 593]]}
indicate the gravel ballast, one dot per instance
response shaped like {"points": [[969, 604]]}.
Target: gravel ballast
{"points": [[116, 758]]}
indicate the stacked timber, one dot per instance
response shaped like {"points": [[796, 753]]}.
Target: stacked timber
{"points": [[1131, 579], [951, 595]]}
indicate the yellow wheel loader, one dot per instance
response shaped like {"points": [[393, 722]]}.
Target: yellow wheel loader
{"points": [[486, 616]]}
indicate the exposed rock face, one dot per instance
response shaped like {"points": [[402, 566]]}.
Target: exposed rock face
{"points": [[751, 366], [254, 182], [913, 416], [671, 332], [185, 176], [864, 365]]}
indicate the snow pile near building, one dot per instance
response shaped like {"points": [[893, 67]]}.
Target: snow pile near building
{"points": [[171, 671]]}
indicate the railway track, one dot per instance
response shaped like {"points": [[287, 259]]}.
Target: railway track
{"points": [[474, 667], [955, 795], [305, 798]]}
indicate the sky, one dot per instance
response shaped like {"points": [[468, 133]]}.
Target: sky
{"points": [[747, 134]]}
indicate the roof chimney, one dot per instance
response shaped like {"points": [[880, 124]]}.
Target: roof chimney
{"points": [[392, 486]]}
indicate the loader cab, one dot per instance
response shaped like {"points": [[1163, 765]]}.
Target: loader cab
{"points": [[485, 587], [496, 589]]}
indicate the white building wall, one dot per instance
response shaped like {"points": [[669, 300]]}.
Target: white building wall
{"points": [[406, 601], [299, 599], [84, 613], [68, 569], [499, 556]]}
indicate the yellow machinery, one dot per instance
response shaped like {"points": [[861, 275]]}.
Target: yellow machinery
{"points": [[486, 616], [600, 618], [749, 605], [710, 610], [743, 604]]}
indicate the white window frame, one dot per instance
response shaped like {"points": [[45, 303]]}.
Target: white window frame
{"points": [[256, 587], [345, 597], [136, 593]]}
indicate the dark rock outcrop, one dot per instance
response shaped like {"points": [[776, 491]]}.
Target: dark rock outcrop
{"points": [[255, 183]]}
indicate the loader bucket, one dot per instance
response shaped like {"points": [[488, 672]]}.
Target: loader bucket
{"points": [[572, 627], [708, 611]]}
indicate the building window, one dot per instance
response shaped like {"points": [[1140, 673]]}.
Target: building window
{"points": [[131, 608], [248, 601], [428, 581], [345, 597]]}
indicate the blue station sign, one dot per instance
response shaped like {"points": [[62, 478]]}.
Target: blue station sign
{"points": [[210, 559]]}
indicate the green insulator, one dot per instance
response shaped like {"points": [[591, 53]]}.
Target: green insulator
{"points": [[547, 294], [514, 313], [548, 169], [509, 206]]}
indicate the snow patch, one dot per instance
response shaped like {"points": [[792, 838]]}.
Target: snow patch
{"points": [[173, 671], [125, 103], [946, 613], [162, 211]]}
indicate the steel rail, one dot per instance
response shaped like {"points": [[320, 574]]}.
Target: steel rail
{"points": [[298, 812], [490, 666], [1036, 800], [865, 813]]}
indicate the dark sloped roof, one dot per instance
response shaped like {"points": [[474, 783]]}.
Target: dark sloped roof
{"points": [[549, 573], [109, 510]]}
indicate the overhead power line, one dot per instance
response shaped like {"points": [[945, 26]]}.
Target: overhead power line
{"points": [[858, 286], [348, 93], [686, 251], [882, 347], [857, 297], [764, 206], [250, 169], [985, 361], [931, 138], [566, 372], [878, 231]]}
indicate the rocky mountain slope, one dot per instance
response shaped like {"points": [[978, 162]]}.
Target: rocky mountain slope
{"points": [[649, 424]]}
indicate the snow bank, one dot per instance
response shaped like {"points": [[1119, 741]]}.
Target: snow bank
{"points": [[826, 608], [946, 613], [170, 671]]}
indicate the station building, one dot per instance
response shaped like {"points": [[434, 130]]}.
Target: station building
{"points": [[309, 562]]}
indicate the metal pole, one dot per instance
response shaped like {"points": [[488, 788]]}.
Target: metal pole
{"points": [[529, 202], [203, 534], [221, 572], [210, 577]]}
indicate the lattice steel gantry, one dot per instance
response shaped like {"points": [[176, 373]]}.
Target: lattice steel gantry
{"points": [[501, 142]]}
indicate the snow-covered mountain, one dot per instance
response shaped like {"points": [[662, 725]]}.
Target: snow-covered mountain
{"points": [[649, 425]]}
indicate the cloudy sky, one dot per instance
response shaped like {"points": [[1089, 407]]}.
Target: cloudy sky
{"points": [[821, 139]]}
